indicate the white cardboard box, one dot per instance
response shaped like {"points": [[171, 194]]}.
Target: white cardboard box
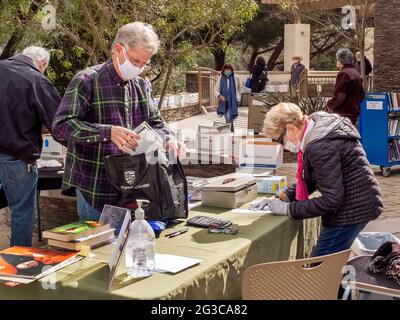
{"points": [[238, 143], [260, 154], [51, 149]]}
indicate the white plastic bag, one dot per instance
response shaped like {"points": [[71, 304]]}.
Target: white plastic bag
{"points": [[367, 243]]}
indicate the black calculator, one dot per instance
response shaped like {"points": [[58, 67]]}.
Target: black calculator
{"points": [[208, 222]]}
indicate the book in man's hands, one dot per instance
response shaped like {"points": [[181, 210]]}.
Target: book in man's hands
{"points": [[76, 230], [33, 263], [76, 245]]}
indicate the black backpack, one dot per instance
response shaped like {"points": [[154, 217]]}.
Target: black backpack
{"points": [[163, 185]]}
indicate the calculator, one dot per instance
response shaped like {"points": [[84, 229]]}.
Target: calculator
{"points": [[208, 222]]}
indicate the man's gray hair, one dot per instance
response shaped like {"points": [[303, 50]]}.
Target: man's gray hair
{"points": [[137, 33], [37, 54], [345, 56]]}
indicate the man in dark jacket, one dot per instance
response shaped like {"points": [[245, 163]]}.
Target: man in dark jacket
{"points": [[296, 70], [333, 162], [349, 91], [28, 101], [259, 76], [357, 64]]}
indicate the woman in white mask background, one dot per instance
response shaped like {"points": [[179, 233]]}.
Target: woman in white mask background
{"points": [[330, 160]]}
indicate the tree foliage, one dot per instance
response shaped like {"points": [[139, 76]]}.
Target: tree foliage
{"points": [[184, 27]]}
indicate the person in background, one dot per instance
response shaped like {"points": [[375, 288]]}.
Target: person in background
{"points": [[349, 91], [331, 160], [296, 70], [357, 64], [368, 68], [28, 101], [259, 76], [97, 115], [228, 91]]}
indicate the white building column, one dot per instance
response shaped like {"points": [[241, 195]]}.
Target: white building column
{"points": [[297, 42]]}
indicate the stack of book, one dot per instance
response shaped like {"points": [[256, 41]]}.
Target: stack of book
{"points": [[394, 101], [394, 151], [82, 233], [394, 127], [194, 187]]}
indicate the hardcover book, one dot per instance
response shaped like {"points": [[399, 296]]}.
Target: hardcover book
{"points": [[76, 230], [90, 241]]}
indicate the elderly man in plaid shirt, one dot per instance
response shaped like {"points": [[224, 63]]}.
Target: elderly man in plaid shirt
{"points": [[97, 115]]}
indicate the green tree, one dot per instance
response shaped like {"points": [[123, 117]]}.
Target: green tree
{"points": [[85, 30], [184, 26], [264, 34], [16, 17]]}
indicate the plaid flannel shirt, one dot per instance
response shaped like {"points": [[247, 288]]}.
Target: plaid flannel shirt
{"points": [[95, 100]]}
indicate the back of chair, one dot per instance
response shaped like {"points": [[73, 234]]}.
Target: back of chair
{"points": [[307, 279]]}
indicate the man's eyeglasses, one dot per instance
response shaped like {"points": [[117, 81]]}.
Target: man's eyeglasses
{"points": [[280, 138], [228, 230], [136, 62]]}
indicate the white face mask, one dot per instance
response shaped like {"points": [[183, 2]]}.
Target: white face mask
{"points": [[290, 146], [128, 70]]}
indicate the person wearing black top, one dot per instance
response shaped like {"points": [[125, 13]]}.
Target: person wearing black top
{"points": [[258, 76], [357, 64], [28, 101]]}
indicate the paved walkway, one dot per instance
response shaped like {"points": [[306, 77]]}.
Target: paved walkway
{"points": [[208, 119]]}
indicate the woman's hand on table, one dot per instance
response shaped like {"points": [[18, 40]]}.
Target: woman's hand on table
{"points": [[275, 205], [262, 205], [279, 207]]}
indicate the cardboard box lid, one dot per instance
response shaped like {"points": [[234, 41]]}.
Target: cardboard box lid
{"points": [[231, 186]]}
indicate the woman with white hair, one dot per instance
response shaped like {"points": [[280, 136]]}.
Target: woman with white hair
{"points": [[331, 160], [349, 91]]}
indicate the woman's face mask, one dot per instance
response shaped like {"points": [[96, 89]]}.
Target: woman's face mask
{"points": [[128, 70], [227, 73], [291, 146]]}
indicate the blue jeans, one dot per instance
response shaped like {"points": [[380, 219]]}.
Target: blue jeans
{"points": [[20, 187], [85, 210], [332, 240]]}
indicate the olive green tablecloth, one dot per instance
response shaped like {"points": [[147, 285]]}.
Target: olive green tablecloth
{"points": [[224, 259]]}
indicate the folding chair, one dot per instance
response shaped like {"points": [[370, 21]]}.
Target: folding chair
{"points": [[316, 278]]}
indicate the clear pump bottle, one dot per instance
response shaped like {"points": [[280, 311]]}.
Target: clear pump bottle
{"points": [[140, 250]]}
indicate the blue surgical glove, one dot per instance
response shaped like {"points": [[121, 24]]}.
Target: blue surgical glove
{"points": [[278, 207], [260, 206]]}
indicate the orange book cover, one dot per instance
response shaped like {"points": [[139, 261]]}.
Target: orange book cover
{"points": [[27, 262]]}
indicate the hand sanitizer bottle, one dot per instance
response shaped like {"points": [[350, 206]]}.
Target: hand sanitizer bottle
{"points": [[139, 252]]}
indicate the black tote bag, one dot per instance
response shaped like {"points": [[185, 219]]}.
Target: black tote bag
{"points": [[164, 186]]}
